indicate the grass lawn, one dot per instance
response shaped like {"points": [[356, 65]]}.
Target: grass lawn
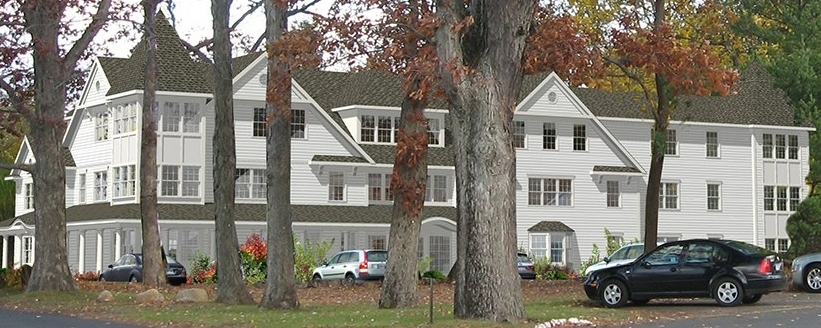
{"points": [[334, 306]]}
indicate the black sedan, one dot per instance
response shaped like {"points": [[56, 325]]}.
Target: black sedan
{"points": [[129, 267], [732, 272]]}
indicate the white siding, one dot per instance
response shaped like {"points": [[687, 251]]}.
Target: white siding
{"points": [[540, 103], [249, 87], [97, 87]]}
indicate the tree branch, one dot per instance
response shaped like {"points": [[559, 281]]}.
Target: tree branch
{"points": [[648, 96], [11, 166], [97, 22], [17, 102], [302, 10], [196, 50]]}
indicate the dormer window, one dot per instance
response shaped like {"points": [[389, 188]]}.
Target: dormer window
{"points": [[381, 129], [433, 131]]}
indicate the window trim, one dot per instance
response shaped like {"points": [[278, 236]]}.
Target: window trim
{"points": [[332, 192], [549, 238], [671, 134], [716, 144], [584, 137], [718, 197], [252, 174], [663, 195], [27, 245], [100, 176], [434, 134], [550, 136], [609, 193], [101, 127], [518, 132], [431, 189], [543, 189], [28, 194], [124, 181], [385, 192]]}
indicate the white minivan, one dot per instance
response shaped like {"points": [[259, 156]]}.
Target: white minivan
{"points": [[353, 265]]}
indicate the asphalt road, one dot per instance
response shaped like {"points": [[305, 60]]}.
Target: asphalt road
{"points": [[16, 319], [785, 309]]}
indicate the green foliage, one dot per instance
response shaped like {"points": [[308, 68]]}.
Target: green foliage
{"points": [[804, 227], [595, 257], [308, 256], [14, 278], [423, 264], [4, 272], [254, 270], [203, 270], [545, 270], [435, 274]]}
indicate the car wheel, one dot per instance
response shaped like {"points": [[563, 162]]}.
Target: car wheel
{"points": [[751, 299], [316, 278], [812, 278], [350, 279], [102, 278], [133, 279], [728, 292], [613, 294]]}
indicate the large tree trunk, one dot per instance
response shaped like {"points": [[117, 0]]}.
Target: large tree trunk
{"points": [[231, 287], [51, 75], [153, 264], [482, 74], [408, 183], [280, 287], [659, 144]]}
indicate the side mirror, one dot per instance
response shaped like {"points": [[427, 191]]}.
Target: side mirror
{"points": [[646, 265], [111, 266], [324, 263], [607, 259]]}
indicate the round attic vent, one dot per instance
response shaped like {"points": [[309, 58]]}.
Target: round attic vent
{"points": [[551, 97], [263, 79]]}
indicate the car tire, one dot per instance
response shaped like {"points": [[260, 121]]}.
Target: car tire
{"points": [[133, 279], [316, 278], [728, 292], [613, 294], [750, 299], [350, 279], [102, 279], [812, 278]]}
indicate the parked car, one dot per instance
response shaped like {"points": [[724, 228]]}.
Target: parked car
{"points": [[353, 265], [623, 255], [129, 267], [806, 272], [525, 264], [732, 272]]}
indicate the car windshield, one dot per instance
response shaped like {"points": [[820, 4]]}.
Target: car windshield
{"points": [[523, 257], [745, 248], [167, 258], [377, 256]]}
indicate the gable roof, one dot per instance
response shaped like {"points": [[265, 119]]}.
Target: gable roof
{"points": [[244, 212]]}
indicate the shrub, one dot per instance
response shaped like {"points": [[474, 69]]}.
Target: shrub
{"points": [[87, 276], [203, 270], [804, 227], [15, 278], [435, 275], [308, 256], [4, 272], [545, 270], [254, 257]]}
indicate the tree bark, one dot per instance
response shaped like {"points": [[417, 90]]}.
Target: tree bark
{"points": [[657, 148], [153, 265], [51, 74], [280, 287], [408, 183], [231, 287], [482, 70]]}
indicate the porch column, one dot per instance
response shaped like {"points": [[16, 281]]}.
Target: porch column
{"points": [[118, 243], [81, 254], [5, 256], [18, 251], [99, 251]]}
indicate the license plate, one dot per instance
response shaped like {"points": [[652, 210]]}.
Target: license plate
{"points": [[376, 266], [169, 272], [778, 266]]}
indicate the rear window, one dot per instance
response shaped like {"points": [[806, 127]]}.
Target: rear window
{"points": [[523, 257], [377, 256], [745, 248]]}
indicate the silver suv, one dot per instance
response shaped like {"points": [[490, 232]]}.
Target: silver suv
{"points": [[353, 265]]}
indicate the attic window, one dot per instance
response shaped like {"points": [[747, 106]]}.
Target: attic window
{"points": [[551, 97], [263, 79], [97, 85]]}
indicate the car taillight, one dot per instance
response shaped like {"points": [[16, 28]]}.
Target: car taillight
{"points": [[530, 267], [765, 267], [363, 265]]}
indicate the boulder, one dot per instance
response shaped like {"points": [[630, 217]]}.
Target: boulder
{"points": [[105, 296], [149, 296], [192, 295]]}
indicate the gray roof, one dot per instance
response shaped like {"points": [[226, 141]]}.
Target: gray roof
{"points": [[615, 169], [550, 226], [67, 158], [243, 212]]}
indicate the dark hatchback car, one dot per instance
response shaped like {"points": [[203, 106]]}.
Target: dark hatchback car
{"points": [[129, 267], [525, 264], [732, 272]]}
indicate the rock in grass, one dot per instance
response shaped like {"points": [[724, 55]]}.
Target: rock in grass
{"points": [[149, 296], [192, 295], [105, 296]]}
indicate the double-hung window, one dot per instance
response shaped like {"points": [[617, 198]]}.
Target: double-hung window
{"points": [[367, 133], [250, 184], [767, 145], [29, 189], [433, 132], [171, 117], [170, 176], [550, 192], [336, 186], [437, 188], [579, 137], [712, 144], [793, 147], [259, 126], [549, 136], [124, 180], [28, 250], [191, 118], [190, 181], [81, 189], [613, 193], [548, 246], [101, 127], [176, 180], [780, 146], [385, 129], [668, 195], [519, 134], [379, 186], [100, 185], [671, 146], [714, 196], [297, 124]]}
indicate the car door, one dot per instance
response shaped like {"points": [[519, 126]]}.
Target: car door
{"points": [[700, 265], [325, 270], [657, 272], [336, 269]]}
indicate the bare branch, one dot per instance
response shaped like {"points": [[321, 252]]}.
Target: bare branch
{"points": [[258, 43], [648, 95], [97, 22], [196, 50], [12, 166], [17, 102], [302, 10]]}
